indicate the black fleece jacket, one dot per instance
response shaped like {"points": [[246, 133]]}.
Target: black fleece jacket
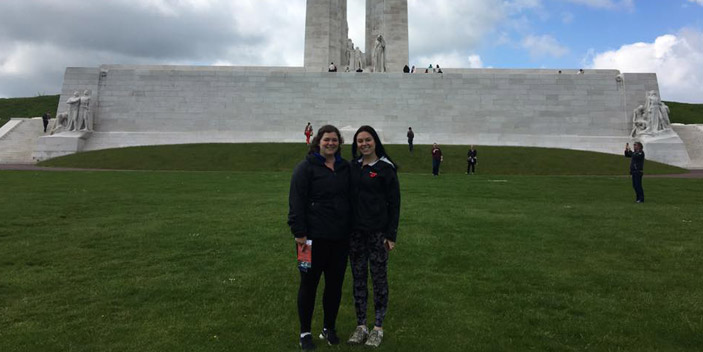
{"points": [[376, 197], [318, 203]]}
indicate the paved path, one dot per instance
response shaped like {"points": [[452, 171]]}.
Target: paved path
{"points": [[32, 167]]}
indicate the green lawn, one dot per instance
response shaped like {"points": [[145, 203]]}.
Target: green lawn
{"points": [[284, 156], [27, 107], [685, 113], [203, 261]]}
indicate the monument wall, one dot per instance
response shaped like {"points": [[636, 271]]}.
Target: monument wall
{"points": [[147, 105]]}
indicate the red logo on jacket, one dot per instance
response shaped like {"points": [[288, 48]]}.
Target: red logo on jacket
{"points": [[373, 174]]}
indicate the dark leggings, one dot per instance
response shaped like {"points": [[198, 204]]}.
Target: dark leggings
{"points": [[330, 258], [368, 248]]}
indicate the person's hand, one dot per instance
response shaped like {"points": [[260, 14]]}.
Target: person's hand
{"points": [[301, 240], [388, 244]]}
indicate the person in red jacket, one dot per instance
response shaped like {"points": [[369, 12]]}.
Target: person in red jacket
{"points": [[308, 133]]}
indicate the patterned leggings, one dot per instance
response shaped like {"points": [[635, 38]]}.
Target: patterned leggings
{"points": [[368, 248]]}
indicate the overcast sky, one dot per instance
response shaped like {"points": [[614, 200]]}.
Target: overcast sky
{"points": [[40, 38]]}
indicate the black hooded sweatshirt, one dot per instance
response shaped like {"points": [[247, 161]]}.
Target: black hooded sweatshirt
{"points": [[376, 197]]}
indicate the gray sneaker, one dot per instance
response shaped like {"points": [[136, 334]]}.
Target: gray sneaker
{"points": [[358, 337], [375, 338]]}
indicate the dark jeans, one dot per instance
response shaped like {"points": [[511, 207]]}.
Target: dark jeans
{"points": [[410, 144], [435, 167], [637, 185], [367, 252], [328, 257], [471, 168]]}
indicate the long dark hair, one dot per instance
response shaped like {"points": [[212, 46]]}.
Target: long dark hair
{"points": [[380, 150], [315, 144]]}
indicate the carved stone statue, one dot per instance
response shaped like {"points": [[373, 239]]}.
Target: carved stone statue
{"points": [[652, 118], [349, 53], [358, 62], [73, 107], [639, 124], [379, 54], [85, 116], [60, 123]]}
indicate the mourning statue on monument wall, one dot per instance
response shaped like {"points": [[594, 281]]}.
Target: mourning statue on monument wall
{"points": [[651, 119], [73, 107], [86, 118], [379, 54]]}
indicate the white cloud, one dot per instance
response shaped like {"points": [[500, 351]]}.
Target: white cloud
{"points": [[699, 2], [475, 61], [676, 59], [606, 4], [568, 17], [543, 45]]}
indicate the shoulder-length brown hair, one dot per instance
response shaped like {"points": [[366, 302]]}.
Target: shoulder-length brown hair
{"points": [[315, 144]]}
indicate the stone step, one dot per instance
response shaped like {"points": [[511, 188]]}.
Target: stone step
{"points": [[18, 138], [692, 137]]}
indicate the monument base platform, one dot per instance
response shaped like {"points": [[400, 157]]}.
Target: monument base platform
{"points": [[667, 148], [61, 144]]}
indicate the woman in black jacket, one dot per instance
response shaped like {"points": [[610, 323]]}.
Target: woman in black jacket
{"points": [[376, 203], [320, 211]]}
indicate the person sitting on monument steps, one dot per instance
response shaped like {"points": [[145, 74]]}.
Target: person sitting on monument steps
{"points": [[319, 217], [332, 67], [636, 169], [376, 202], [406, 69]]}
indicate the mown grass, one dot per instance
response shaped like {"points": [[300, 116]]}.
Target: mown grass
{"points": [[203, 261], [27, 107], [283, 157], [685, 113]]}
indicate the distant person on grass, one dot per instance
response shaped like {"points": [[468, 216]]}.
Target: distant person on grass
{"points": [[437, 159], [471, 160], [308, 133], [636, 169], [411, 136], [320, 211], [376, 204]]}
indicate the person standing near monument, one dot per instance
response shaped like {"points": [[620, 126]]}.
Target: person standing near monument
{"points": [[411, 136], [45, 120], [471, 159], [308, 133], [319, 217], [376, 202], [437, 159], [636, 169]]}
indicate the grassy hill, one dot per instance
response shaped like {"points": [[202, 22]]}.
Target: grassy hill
{"points": [[27, 107], [204, 261], [685, 113], [284, 156]]}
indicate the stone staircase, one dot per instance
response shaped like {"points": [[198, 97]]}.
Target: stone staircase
{"points": [[18, 137], [692, 137]]}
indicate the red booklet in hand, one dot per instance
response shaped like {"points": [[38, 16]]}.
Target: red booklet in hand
{"points": [[304, 255]]}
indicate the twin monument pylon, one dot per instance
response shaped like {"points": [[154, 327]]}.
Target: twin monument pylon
{"points": [[327, 35]]}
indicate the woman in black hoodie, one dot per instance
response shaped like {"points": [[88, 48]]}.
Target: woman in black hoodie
{"points": [[320, 211], [376, 203]]}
